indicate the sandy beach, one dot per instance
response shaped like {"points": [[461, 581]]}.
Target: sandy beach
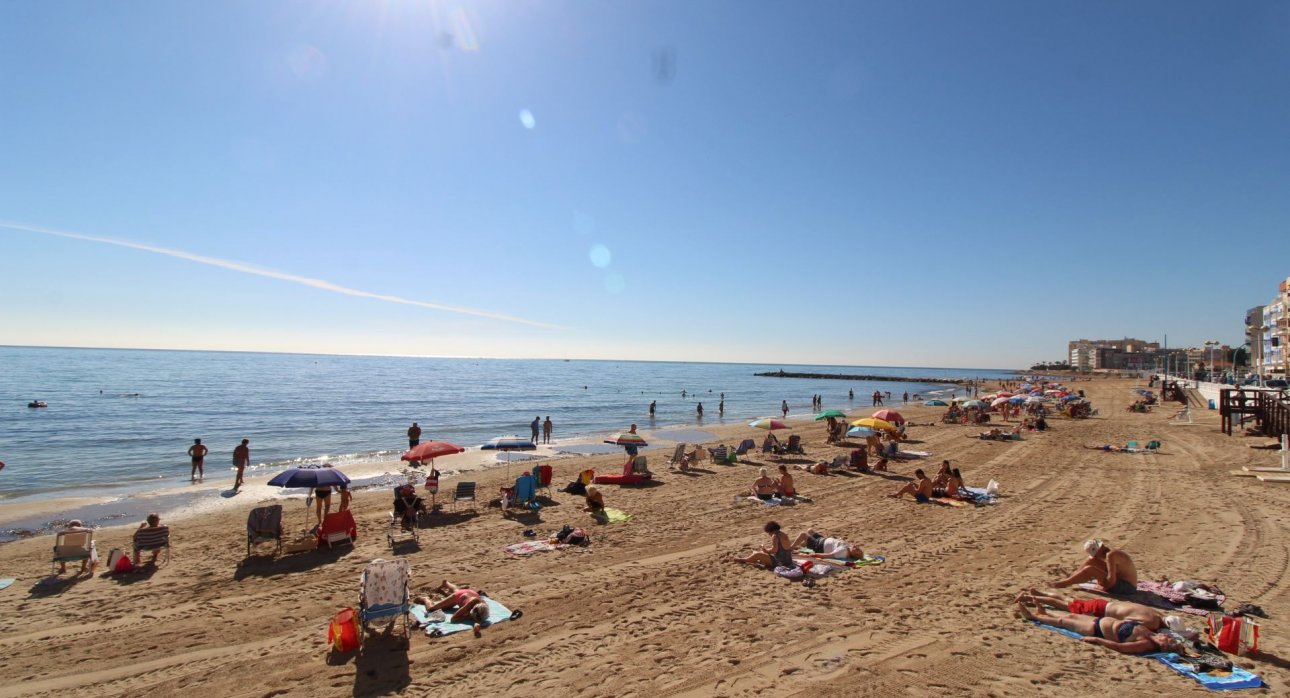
{"points": [[653, 606]]}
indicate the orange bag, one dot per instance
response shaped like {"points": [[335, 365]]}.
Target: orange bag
{"points": [[342, 633]]}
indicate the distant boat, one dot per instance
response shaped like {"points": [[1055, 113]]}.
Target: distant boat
{"points": [[38, 403]]}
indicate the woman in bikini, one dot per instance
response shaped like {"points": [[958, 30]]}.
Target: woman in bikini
{"points": [[779, 553], [1126, 636], [763, 487], [468, 603]]}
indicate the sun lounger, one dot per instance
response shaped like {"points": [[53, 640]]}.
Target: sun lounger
{"points": [[75, 546], [264, 525], [634, 473], [384, 593]]}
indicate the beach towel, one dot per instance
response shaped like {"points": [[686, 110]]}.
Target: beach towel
{"points": [[529, 547], [1157, 595], [952, 502], [913, 454], [5, 583], [866, 561], [611, 515], [772, 502], [1226, 681], [439, 621], [981, 496]]}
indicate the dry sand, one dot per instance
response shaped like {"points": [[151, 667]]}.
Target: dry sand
{"points": [[653, 609]]}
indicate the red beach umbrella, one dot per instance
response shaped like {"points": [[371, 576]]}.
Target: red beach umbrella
{"points": [[431, 450], [890, 415]]}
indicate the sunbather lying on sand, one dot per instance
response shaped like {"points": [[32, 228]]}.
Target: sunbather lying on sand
{"points": [[826, 548], [467, 601], [1109, 447], [763, 487], [920, 488], [779, 553], [1112, 569], [1127, 636], [1149, 617], [816, 468]]}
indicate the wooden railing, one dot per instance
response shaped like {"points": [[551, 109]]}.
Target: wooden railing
{"points": [[1270, 409]]}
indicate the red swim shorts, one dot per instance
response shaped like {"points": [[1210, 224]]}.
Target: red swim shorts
{"points": [[1089, 607]]}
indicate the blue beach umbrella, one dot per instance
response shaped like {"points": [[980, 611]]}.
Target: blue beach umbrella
{"points": [[934, 403], [861, 432], [508, 444], [1017, 400], [311, 476]]}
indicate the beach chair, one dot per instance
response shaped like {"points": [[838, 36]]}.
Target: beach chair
{"points": [[338, 527], [522, 495], [155, 538], [384, 593], [75, 546], [640, 466], [678, 456], [719, 454], [465, 493], [264, 525], [744, 447], [1153, 446], [794, 445], [402, 504], [545, 474]]}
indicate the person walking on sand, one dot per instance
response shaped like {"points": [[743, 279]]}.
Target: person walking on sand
{"points": [[414, 435], [198, 453], [783, 407], [241, 458], [534, 427]]}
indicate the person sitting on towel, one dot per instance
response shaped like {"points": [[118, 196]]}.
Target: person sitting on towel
{"points": [[1149, 617], [777, 554], [826, 548], [467, 602], [952, 487], [921, 488], [942, 476], [595, 502], [764, 487], [1127, 636], [784, 485], [1112, 569], [407, 505]]}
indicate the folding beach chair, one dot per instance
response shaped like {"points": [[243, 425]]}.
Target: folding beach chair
{"points": [[719, 454], [155, 538], [338, 528], [744, 447], [405, 516], [264, 525], [678, 456], [521, 496], [75, 546], [465, 493], [384, 593], [794, 445], [545, 474]]}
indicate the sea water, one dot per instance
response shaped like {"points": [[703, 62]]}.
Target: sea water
{"points": [[122, 420]]}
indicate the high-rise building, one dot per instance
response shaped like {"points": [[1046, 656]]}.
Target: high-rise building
{"points": [[1254, 337], [1112, 354]]}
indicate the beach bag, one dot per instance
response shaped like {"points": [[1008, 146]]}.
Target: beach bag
{"points": [[576, 487], [573, 536], [119, 562], [1234, 635], [342, 632]]}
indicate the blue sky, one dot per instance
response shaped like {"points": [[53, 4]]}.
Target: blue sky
{"points": [[930, 183]]}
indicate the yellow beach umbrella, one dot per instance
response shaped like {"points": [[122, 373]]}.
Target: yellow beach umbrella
{"points": [[874, 423]]}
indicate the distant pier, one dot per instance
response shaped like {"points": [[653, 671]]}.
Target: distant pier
{"points": [[858, 377]]}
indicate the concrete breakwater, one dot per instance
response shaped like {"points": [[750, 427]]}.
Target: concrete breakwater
{"points": [[859, 377]]}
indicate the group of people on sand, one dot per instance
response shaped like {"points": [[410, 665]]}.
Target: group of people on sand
{"points": [[1123, 626], [150, 536], [947, 484], [779, 552], [767, 488]]}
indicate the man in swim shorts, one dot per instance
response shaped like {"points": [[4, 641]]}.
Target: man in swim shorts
{"points": [[920, 488], [826, 548], [1113, 570], [1101, 608], [198, 453], [414, 435]]}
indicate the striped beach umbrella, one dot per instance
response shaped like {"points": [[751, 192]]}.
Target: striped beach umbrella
{"points": [[768, 423], [890, 415], [508, 444]]}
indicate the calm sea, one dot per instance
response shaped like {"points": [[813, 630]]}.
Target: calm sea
{"points": [[121, 420]]}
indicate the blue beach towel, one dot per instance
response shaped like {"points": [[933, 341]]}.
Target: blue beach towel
{"points": [[496, 614], [1239, 678]]}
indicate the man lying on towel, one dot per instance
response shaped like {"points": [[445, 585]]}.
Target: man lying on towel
{"points": [[1112, 569], [1148, 617], [826, 549], [1127, 636]]}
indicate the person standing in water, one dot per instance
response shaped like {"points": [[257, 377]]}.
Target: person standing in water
{"points": [[783, 406], [699, 410], [241, 458], [546, 430], [653, 404], [198, 453]]}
